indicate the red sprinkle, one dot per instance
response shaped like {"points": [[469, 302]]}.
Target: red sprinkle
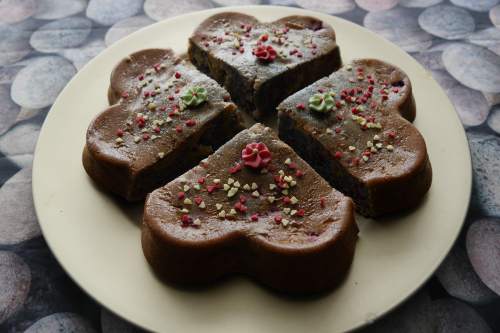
{"points": [[322, 202], [277, 219], [264, 37], [254, 217], [300, 212], [157, 130], [190, 122], [178, 129], [141, 77], [181, 195], [234, 169], [299, 173], [227, 98], [125, 94], [338, 130], [211, 188], [198, 200], [201, 180], [243, 199], [177, 75], [186, 220], [300, 106], [145, 136], [286, 200], [338, 155], [119, 132]]}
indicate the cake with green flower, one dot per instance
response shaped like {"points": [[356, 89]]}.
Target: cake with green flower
{"points": [[165, 116], [354, 128], [254, 207], [261, 64]]}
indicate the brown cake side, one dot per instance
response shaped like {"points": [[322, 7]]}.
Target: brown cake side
{"points": [[354, 128], [233, 48], [150, 135], [276, 221]]}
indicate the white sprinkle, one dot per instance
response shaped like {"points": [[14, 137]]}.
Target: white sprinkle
{"points": [[232, 211], [246, 187], [186, 188], [376, 137], [222, 213], [286, 210], [237, 184], [271, 198], [373, 149], [379, 145], [226, 187], [232, 192], [285, 222], [169, 120], [184, 210], [294, 200], [281, 173], [272, 186], [216, 181], [285, 192], [293, 183], [218, 206], [197, 187], [161, 155], [202, 205], [255, 186], [369, 144], [352, 148], [293, 212], [329, 131], [255, 194], [288, 179], [390, 147], [188, 201], [230, 181], [119, 140], [288, 161], [197, 221], [365, 158]]}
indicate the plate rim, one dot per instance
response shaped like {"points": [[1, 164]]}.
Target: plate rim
{"points": [[242, 9]]}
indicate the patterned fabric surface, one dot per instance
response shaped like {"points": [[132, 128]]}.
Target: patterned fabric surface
{"points": [[43, 43]]}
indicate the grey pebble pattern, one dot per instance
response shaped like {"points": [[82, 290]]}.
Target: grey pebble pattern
{"points": [[448, 22], [483, 247], [474, 66], [38, 84], [43, 43], [61, 34], [399, 25]]}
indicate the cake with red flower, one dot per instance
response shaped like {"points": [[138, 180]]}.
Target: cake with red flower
{"points": [[261, 64], [165, 116], [254, 207]]}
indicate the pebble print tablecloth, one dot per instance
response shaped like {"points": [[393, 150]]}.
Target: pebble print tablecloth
{"points": [[43, 43]]}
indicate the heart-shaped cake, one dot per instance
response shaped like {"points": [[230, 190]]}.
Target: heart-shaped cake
{"points": [[164, 118], [253, 207], [261, 64], [354, 128]]}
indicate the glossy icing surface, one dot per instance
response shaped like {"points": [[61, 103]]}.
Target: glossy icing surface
{"points": [[240, 40], [357, 114], [151, 117], [285, 203]]}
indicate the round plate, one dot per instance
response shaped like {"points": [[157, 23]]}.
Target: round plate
{"points": [[97, 239]]}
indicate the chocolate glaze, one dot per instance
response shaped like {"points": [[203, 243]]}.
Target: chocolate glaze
{"points": [[397, 173], [223, 45], [130, 158], [299, 254]]}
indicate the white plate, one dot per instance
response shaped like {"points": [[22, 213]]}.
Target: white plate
{"points": [[98, 242]]}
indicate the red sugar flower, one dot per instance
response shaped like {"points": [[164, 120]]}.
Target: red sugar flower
{"points": [[256, 155], [265, 53]]}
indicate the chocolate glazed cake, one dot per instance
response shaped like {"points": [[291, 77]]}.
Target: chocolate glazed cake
{"points": [[165, 116], [253, 207], [354, 127], [261, 64]]}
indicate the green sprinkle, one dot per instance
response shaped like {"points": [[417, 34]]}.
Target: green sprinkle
{"points": [[321, 102], [194, 96]]}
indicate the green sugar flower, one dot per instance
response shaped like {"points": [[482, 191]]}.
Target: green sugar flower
{"points": [[194, 96], [321, 102]]}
